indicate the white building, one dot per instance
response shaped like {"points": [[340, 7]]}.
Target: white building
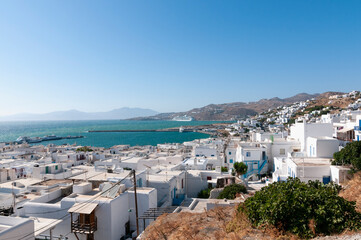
{"points": [[105, 211], [357, 128], [301, 131], [255, 157], [16, 228], [303, 168], [206, 151], [51, 171], [322, 147]]}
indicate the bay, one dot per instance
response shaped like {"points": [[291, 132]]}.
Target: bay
{"points": [[10, 131]]}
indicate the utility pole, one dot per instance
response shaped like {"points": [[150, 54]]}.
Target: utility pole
{"points": [[136, 202]]}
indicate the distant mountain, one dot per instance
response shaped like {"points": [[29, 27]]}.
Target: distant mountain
{"points": [[232, 111], [120, 113]]}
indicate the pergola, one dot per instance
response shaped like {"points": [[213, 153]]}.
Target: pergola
{"points": [[154, 213]]}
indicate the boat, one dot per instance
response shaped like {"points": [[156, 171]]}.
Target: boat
{"points": [[51, 138], [74, 137], [22, 139], [184, 118], [28, 140]]}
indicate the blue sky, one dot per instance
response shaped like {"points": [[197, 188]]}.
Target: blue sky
{"points": [[173, 55]]}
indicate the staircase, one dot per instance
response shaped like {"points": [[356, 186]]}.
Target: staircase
{"points": [[255, 171]]}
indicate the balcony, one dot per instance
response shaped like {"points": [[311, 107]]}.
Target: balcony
{"points": [[84, 227], [86, 221]]}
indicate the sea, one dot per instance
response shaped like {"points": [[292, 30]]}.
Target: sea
{"points": [[10, 131]]}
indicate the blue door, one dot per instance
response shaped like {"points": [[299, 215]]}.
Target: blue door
{"points": [[326, 179]]}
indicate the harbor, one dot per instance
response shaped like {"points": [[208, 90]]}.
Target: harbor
{"points": [[22, 139], [207, 129]]}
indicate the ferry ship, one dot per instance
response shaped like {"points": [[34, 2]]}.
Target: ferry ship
{"points": [[28, 140], [184, 118]]}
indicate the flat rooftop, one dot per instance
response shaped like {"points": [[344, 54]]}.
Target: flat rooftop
{"points": [[10, 222], [132, 160], [52, 182], [94, 194], [312, 161], [142, 190], [100, 176], [160, 178], [24, 181], [253, 148]]}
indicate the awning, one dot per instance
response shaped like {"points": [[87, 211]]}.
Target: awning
{"points": [[84, 208], [345, 130]]}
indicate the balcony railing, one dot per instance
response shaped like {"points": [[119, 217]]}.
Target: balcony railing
{"points": [[87, 228]]}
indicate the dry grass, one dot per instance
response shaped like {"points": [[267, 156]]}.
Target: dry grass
{"points": [[352, 190], [228, 223], [218, 223]]}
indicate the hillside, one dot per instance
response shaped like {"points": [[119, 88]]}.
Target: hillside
{"points": [[115, 114], [325, 101], [352, 190], [233, 111], [228, 223], [218, 223]]}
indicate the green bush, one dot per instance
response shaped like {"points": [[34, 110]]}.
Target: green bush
{"points": [[291, 121], [230, 191], [305, 209], [204, 193], [315, 108], [240, 168], [351, 154], [84, 149], [224, 169]]}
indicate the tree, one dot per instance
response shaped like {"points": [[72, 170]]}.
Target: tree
{"points": [[351, 154], [305, 209], [231, 191], [240, 168]]}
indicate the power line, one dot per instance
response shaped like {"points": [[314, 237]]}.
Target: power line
{"points": [[59, 210], [83, 204]]}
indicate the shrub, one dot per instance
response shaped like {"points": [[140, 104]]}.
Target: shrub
{"points": [[291, 121], [305, 209], [204, 193], [84, 149], [224, 169], [240, 168], [315, 108], [351, 154], [231, 191]]}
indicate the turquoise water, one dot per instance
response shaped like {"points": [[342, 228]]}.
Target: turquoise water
{"points": [[10, 131]]}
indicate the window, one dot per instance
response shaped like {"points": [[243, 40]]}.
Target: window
{"points": [[212, 155], [182, 184], [230, 153], [56, 167], [209, 178], [248, 154], [282, 151], [230, 160]]}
